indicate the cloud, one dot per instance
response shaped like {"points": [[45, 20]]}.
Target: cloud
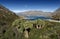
{"points": [[44, 10], [17, 11]]}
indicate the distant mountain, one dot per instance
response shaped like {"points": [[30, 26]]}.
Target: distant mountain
{"points": [[6, 19], [34, 13]]}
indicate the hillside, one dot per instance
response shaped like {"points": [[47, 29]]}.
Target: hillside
{"points": [[6, 19], [6, 14], [36, 29], [56, 14], [58, 10]]}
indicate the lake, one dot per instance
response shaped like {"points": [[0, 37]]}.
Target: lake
{"points": [[36, 17]]}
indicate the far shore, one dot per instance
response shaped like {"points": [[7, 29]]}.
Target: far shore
{"points": [[53, 20]]}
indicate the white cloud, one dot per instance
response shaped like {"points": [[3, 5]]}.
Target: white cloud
{"points": [[17, 11], [45, 10]]}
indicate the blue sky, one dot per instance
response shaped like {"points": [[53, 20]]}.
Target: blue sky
{"points": [[26, 5]]}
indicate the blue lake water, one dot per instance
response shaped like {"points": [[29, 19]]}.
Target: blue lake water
{"points": [[37, 17]]}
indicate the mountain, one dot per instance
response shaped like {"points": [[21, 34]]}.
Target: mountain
{"points": [[6, 19], [34, 13], [56, 14], [6, 14], [58, 10]]}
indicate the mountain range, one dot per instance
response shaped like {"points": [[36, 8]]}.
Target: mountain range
{"points": [[34, 13], [38, 14]]}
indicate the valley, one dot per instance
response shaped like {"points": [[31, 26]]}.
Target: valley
{"points": [[29, 24]]}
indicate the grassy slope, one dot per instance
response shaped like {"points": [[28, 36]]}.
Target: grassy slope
{"points": [[6, 19], [50, 31]]}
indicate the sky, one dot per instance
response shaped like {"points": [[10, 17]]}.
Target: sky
{"points": [[28, 5]]}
